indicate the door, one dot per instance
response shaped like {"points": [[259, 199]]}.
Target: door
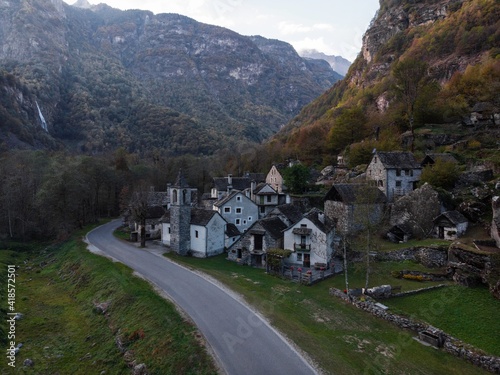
{"points": [[257, 241], [307, 260]]}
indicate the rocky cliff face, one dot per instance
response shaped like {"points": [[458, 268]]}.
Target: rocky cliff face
{"points": [[98, 71]]}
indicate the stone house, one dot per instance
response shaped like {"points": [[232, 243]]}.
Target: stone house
{"points": [[352, 205], [263, 235], [153, 225], [206, 232], [223, 186], [232, 235], [266, 198], [236, 208], [311, 240], [431, 159], [450, 225], [288, 213], [395, 173], [275, 179]]}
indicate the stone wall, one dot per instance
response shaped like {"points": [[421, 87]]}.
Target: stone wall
{"points": [[451, 344], [431, 256]]}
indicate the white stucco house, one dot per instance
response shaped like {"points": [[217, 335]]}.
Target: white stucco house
{"points": [[395, 173], [311, 240], [237, 209], [207, 232]]}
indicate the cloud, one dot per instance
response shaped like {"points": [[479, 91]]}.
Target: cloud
{"points": [[287, 28]]}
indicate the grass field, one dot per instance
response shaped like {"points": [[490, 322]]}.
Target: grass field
{"points": [[470, 314], [340, 338], [63, 333]]}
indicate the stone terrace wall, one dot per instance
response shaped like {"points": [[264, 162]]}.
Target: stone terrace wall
{"points": [[432, 256], [451, 344]]}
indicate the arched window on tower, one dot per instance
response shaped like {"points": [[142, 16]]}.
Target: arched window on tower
{"points": [[174, 196]]}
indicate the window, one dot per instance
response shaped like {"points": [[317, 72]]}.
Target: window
{"points": [[269, 199], [398, 172], [303, 225], [244, 222], [238, 222], [299, 257], [152, 226], [174, 196], [398, 184], [196, 233], [238, 199], [227, 210], [168, 230], [380, 183], [249, 218], [407, 172], [262, 210], [238, 210]]}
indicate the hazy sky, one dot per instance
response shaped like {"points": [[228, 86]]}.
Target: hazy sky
{"points": [[334, 27]]}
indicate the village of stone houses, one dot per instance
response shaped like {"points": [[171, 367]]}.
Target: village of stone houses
{"points": [[256, 222]]}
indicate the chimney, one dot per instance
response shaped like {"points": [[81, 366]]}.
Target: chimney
{"points": [[321, 217], [229, 183], [253, 185]]}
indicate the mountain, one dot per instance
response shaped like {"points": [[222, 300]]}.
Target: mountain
{"points": [[422, 65], [103, 78], [338, 63]]}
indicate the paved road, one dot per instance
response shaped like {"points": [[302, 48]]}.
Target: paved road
{"points": [[242, 341]]}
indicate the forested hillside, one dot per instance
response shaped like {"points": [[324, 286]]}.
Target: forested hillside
{"points": [[422, 64]]}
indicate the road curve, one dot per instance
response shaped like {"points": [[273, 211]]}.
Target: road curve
{"points": [[242, 341]]}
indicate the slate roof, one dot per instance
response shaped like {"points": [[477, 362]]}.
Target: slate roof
{"points": [[398, 159], [257, 177], [454, 217], [273, 225], [261, 186], [290, 211], [227, 198], [432, 158], [325, 225], [237, 183], [155, 212], [158, 198], [232, 230], [198, 216], [352, 193]]}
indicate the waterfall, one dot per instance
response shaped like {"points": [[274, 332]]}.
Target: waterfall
{"points": [[42, 119]]}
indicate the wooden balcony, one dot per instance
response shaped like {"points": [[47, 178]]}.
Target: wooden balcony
{"points": [[301, 247]]}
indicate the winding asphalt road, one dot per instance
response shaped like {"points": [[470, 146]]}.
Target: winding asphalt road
{"points": [[243, 342]]}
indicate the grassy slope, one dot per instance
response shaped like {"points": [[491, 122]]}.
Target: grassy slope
{"points": [[61, 331], [340, 338]]}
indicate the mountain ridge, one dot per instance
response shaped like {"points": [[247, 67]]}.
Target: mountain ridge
{"points": [[456, 41], [97, 72]]}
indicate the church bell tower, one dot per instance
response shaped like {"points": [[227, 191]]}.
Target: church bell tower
{"points": [[180, 216]]}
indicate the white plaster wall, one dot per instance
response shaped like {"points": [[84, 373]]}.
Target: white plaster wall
{"points": [[165, 235]]}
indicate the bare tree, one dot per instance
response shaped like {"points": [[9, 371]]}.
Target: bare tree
{"points": [[410, 77]]}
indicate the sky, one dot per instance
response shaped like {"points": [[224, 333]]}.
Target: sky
{"points": [[334, 27]]}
